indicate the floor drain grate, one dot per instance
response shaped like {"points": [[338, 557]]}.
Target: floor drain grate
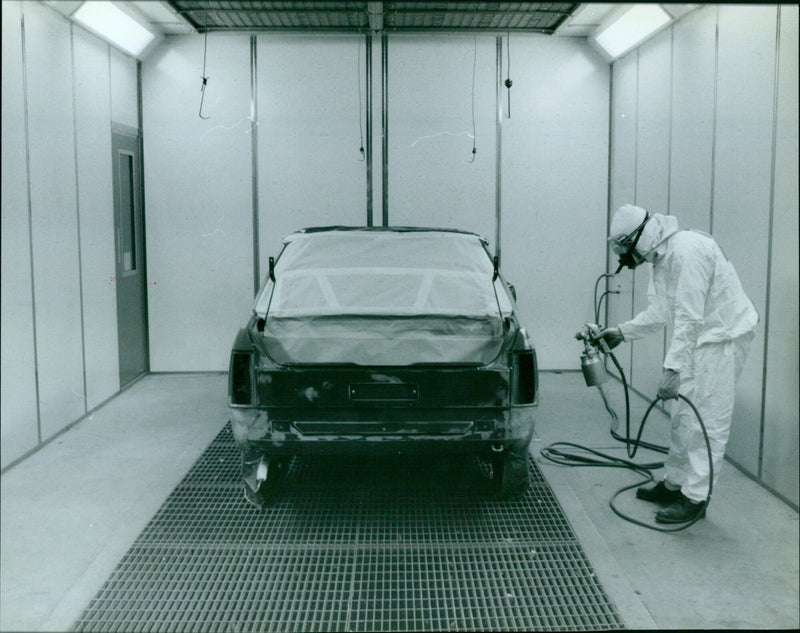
{"points": [[389, 545]]}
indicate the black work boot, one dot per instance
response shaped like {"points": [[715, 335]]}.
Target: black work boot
{"points": [[682, 510], [658, 493]]}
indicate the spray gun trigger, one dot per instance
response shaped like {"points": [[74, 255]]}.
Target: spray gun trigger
{"points": [[594, 337]]}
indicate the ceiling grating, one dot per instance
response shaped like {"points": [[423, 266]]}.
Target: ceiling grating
{"points": [[332, 16]]}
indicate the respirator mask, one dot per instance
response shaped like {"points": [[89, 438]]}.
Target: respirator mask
{"points": [[625, 247]]}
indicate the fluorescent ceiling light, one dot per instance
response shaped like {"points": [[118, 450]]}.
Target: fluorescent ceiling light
{"points": [[630, 28], [115, 25]]}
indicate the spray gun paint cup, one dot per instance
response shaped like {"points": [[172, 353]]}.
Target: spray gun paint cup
{"points": [[594, 371]]}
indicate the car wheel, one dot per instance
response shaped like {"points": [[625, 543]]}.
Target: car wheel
{"points": [[511, 476], [265, 493], [255, 498]]}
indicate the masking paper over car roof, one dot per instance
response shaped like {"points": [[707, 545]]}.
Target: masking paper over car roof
{"points": [[383, 297]]}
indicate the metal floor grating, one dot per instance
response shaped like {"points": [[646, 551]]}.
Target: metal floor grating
{"points": [[353, 545]]}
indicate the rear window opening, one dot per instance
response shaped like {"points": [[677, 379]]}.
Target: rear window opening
{"points": [[383, 298]]}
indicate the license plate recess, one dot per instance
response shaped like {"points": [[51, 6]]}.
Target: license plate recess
{"points": [[383, 391]]}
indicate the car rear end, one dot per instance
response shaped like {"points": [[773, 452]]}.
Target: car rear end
{"points": [[422, 353]]}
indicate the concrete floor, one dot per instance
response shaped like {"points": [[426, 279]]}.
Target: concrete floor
{"points": [[72, 510]]}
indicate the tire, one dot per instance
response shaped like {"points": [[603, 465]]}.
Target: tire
{"points": [[265, 494], [255, 499], [511, 475]]}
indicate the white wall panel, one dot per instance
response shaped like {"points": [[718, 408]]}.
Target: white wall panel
{"points": [[124, 98], [694, 50], [310, 171], [96, 206], [432, 181], [783, 374], [623, 185], [653, 124], [555, 188], [198, 201], [652, 186], [742, 186], [721, 179], [648, 352], [18, 401], [54, 212]]}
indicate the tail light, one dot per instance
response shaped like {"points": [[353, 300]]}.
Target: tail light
{"points": [[524, 371], [241, 378]]}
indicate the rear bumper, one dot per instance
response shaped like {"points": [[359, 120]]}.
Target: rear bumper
{"points": [[349, 433]]}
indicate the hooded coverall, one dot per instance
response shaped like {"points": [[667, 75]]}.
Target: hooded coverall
{"points": [[695, 289]]}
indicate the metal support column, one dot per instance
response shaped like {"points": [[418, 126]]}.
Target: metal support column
{"points": [[499, 146], [254, 158], [385, 124], [369, 128]]}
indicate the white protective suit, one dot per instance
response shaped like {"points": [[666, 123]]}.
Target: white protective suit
{"points": [[695, 289]]}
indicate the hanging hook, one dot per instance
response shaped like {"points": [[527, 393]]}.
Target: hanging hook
{"points": [[474, 60], [202, 97], [508, 83], [360, 110], [205, 79]]}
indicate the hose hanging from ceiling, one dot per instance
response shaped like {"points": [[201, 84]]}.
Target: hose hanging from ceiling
{"points": [[474, 58], [508, 81], [205, 78], [360, 106]]}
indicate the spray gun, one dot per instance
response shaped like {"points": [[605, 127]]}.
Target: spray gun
{"points": [[592, 366]]}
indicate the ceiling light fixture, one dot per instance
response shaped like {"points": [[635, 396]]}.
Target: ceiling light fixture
{"points": [[628, 28], [114, 25]]}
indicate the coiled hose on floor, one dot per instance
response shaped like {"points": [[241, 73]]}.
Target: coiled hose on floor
{"points": [[598, 459]]}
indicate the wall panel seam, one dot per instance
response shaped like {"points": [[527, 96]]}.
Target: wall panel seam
{"points": [[671, 115], [143, 210], [30, 222], [368, 70], [669, 147], [254, 159], [498, 159], [635, 194], [610, 176], [385, 125], [714, 126], [78, 208], [636, 134], [773, 162]]}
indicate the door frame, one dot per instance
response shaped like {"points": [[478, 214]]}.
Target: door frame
{"points": [[135, 133]]}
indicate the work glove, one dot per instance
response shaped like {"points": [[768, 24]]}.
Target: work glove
{"points": [[612, 336], [668, 387]]}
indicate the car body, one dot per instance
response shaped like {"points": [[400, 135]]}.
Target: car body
{"points": [[390, 340]]}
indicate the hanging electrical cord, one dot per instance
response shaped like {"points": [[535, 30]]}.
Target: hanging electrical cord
{"points": [[474, 59], [205, 78], [576, 455], [360, 105], [508, 82]]}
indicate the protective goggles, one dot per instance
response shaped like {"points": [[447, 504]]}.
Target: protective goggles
{"points": [[625, 247]]}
